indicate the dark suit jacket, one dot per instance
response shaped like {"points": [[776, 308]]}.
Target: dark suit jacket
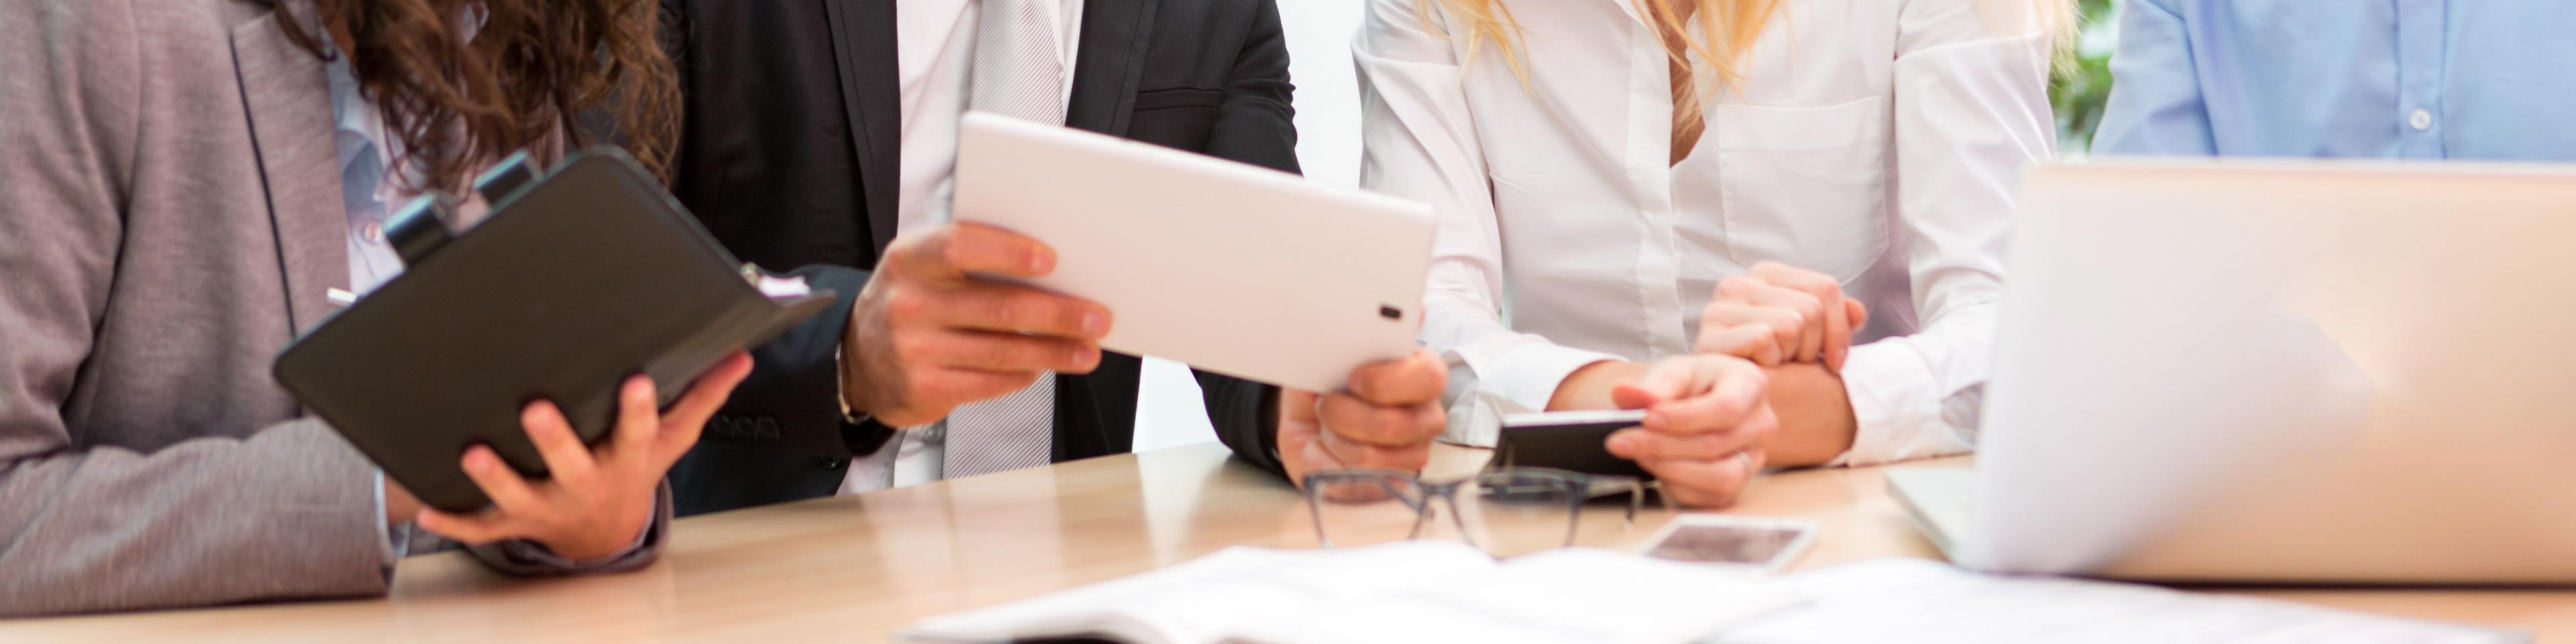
{"points": [[789, 156]]}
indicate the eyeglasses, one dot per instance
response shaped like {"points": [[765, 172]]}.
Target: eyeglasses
{"points": [[1507, 511]]}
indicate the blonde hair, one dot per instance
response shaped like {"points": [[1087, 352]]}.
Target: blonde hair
{"points": [[1728, 28]]}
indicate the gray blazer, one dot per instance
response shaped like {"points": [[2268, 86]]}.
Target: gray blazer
{"points": [[170, 217]]}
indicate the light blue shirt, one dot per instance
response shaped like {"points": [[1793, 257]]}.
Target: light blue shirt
{"points": [[362, 175], [2413, 79], [364, 153]]}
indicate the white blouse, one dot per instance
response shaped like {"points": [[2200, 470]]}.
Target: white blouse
{"points": [[1566, 236]]}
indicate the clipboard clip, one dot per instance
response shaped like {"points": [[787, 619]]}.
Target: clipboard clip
{"points": [[420, 228]]}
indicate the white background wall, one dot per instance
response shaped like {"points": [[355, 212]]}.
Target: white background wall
{"points": [[1328, 145]]}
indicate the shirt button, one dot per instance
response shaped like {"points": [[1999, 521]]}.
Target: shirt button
{"points": [[373, 231], [2421, 120]]}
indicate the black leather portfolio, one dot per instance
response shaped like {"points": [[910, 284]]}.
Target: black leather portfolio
{"points": [[576, 280], [1542, 440]]}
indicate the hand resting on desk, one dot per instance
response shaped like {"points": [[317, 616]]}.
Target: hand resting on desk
{"points": [[1714, 417], [1784, 319]]}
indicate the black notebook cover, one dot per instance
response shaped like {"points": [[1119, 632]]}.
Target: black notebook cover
{"points": [[572, 283]]}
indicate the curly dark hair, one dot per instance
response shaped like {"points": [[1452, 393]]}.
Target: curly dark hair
{"points": [[529, 69]]}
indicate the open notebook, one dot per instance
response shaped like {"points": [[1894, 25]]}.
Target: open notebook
{"points": [[1422, 591]]}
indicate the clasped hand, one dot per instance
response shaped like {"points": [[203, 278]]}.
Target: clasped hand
{"points": [[1708, 413]]}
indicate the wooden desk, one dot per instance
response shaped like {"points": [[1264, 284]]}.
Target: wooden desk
{"points": [[854, 568]]}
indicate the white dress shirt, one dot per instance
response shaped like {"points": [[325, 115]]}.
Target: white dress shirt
{"points": [[935, 48], [1567, 236]]}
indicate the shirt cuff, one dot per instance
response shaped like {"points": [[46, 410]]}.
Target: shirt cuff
{"points": [[1898, 408], [1522, 369], [394, 550], [533, 553], [840, 390], [528, 557]]}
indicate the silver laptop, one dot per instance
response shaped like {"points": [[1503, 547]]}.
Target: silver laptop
{"points": [[2278, 373]]}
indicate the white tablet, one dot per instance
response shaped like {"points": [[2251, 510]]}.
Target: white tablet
{"points": [[1228, 267]]}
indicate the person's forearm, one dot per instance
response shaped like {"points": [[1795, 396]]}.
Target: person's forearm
{"points": [[1816, 422], [797, 379], [1589, 387], [1245, 415], [288, 506]]}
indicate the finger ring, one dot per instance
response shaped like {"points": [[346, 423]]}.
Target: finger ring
{"points": [[1747, 458]]}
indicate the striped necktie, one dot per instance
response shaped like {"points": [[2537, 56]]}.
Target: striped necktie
{"points": [[1018, 72]]}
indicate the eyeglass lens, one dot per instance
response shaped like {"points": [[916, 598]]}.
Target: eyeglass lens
{"points": [[1364, 510]]}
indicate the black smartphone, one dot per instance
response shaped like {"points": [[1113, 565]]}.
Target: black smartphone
{"points": [[1567, 440]]}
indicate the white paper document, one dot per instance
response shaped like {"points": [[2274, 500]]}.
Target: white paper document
{"points": [[1912, 600], [1407, 593]]}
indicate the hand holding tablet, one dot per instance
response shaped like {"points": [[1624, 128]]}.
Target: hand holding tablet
{"points": [[1228, 267], [931, 332], [1232, 269]]}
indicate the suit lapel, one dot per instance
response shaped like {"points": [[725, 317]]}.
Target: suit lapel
{"points": [[863, 47], [1111, 64], [288, 97]]}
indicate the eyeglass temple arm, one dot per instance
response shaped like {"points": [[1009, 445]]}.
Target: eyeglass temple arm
{"points": [[1636, 490]]}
